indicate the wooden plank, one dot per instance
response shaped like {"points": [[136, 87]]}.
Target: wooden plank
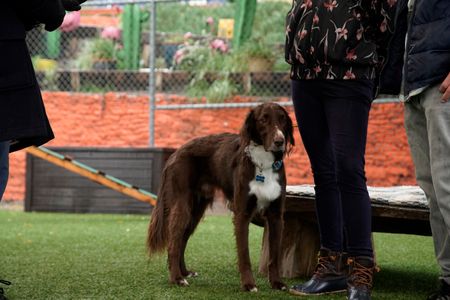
{"points": [[77, 182], [99, 178], [307, 204], [70, 191], [400, 212]]}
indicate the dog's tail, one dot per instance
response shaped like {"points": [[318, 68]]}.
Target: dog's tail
{"points": [[157, 237], [157, 229]]}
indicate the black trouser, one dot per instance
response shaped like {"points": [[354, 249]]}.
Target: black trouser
{"points": [[332, 116]]}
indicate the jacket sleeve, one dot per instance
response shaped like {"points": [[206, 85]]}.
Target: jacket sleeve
{"points": [[48, 12]]}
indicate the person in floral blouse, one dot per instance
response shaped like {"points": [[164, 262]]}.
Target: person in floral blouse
{"points": [[337, 49]]}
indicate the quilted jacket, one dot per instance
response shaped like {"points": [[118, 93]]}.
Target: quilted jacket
{"points": [[427, 59]]}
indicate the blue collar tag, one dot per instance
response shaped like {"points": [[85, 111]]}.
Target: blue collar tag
{"points": [[277, 165], [260, 178]]}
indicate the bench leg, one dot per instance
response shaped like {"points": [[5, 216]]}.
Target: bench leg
{"points": [[300, 245]]}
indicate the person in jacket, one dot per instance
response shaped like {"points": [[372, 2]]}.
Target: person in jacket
{"points": [[421, 75], [336, 49], [23, 121]]}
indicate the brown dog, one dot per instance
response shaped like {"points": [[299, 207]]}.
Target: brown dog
{"points": [[248, 168]]}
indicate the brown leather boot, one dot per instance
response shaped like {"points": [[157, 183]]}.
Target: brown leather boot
{"points": [[443, 293], [360, 279], [2, 296], [329, 277]]}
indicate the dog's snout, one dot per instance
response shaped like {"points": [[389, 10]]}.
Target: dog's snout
{"points": [[278, 139], [279, 142]]}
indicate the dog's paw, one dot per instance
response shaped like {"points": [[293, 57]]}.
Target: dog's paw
{"points": [[250, 288], [182, 282], [191, 274], [278, 285]]}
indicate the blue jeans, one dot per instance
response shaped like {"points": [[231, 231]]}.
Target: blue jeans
{"points": [[332, 116], [4, 166]]}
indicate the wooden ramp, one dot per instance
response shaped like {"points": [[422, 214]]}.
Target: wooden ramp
{"points": [[93, 174]]}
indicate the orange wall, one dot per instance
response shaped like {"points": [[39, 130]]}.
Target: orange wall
{"points": [[121, 120]]}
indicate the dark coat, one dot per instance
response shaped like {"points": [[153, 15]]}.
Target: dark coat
{"points": [[23, 120], [427, 59]]}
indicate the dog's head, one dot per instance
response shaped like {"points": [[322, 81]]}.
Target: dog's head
{"points": [[269, 125]]}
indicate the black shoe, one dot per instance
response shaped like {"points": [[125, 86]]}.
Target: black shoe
{"points": [[442, 294], [329, 277], [2, 293], [360, 279], [320, 286]]}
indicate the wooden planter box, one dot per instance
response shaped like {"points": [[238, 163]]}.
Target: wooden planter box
{"points": [[53, 189], [167, 81]]}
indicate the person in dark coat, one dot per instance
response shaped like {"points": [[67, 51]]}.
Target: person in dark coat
{"points": [[23, 121], [419, 70], [336, 49]]}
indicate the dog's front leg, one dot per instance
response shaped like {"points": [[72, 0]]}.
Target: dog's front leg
{"points": [[241, 220], [275, 226]]}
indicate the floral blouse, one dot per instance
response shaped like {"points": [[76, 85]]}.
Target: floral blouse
{"points": [[338, 39]]}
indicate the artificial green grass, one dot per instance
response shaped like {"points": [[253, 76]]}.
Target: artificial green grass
{"points": [[92, 256]]}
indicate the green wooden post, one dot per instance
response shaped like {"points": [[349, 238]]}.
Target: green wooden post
{"points": [[243, 21], [131, 32], [126, 36], [53, 44], [135, 37]]}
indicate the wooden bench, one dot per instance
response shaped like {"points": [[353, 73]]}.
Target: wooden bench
{"points": [[402, 209]]}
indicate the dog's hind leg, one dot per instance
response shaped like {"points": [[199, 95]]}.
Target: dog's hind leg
{"points": [[198, 211], [179, 222]]}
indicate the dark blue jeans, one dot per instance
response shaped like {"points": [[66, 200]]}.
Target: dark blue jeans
{"points": [[332, 116], [4, 166]]}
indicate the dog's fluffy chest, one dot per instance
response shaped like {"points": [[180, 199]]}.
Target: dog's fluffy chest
{"points": [[270, 188]]}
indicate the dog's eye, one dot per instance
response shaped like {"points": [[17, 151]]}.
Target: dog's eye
{"points": [[264, 118], [282, 118]]}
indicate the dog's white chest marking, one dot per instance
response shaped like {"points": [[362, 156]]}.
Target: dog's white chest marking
{"points": [[269, 189]]}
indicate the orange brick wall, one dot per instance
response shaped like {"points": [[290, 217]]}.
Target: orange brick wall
{"points": [[121, 120]]}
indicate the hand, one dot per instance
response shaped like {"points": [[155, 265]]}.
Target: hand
{"points": [[71, 21], [445, 89], [72, 5]]}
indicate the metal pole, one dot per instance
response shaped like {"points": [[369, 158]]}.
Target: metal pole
{"points": [[151, 88]]}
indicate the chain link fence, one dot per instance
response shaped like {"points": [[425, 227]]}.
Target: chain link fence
{"points": [[106, 47]]}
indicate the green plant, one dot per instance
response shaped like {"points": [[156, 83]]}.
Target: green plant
{"points": [[48, 69], [258, 48], [98, 51], [103, 49], [84, 60], [211, 64]]}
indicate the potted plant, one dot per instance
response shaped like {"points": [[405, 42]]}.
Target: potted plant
{"points": [[260, 57], [103, 54]]}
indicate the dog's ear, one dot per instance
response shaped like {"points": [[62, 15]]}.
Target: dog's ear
{"points": [[289, 132], [248, 131]]}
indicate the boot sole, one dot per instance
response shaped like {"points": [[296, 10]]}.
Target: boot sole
{"points": [[299, 293]]}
